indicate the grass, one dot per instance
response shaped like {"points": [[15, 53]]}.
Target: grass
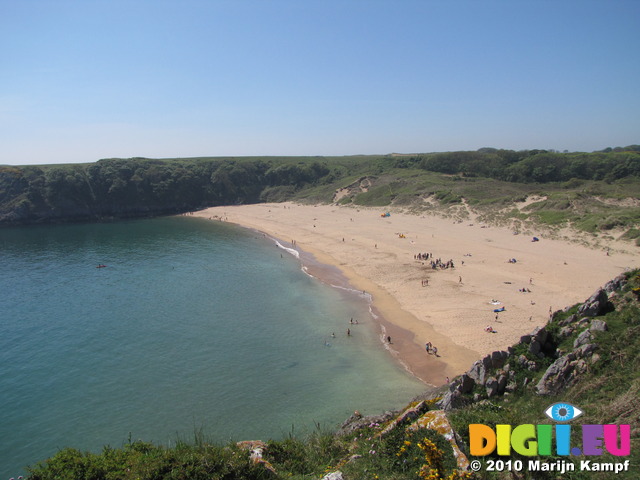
{"points": [[588, 206]]}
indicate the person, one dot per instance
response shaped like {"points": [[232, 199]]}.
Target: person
{"points": [[388, 339], [348, 332]]}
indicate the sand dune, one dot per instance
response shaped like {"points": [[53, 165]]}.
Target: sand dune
{"points": [[377, 253]]}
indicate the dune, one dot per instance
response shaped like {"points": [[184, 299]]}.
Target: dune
{"points": [[449, 307]]}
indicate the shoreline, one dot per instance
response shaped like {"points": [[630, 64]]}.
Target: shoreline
{"points": [[377, 254], [429, 369]]}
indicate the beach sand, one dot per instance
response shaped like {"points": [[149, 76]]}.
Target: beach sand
{"points": [[376, 255]]}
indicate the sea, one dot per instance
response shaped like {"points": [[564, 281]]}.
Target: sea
{"points": [[191, 329]]}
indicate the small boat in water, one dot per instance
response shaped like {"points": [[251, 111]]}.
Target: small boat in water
{"points": [[101, 266]]}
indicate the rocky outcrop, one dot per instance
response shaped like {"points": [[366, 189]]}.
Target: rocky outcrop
{"points": [[357, 421], [597, 304], [493, 375]]}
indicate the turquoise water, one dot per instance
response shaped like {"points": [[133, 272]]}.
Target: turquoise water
{"points": [[193, 325]]}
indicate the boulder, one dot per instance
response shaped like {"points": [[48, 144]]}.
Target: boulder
{"points": [[584, 338], [492, 386], [465, 384], [534, 347], [586, 350], [598, 326], [615, 284], [502, 383], [559, 375], [568, 321], [566, 331], [451, 400], [357, 421], [333, 476], [540, 334], [498, 358], [477, 372], [595, 305]]}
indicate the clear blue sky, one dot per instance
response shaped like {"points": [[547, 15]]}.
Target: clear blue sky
{"points": [[84, 80]]}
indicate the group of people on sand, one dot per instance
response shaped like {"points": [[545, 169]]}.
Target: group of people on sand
{"points": [[489, 329], [431, 348], [435, 264], [438, 263]]}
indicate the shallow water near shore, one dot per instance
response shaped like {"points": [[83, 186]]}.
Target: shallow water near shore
{"points": [[193, 325]]}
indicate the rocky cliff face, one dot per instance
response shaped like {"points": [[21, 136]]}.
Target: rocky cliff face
{"points": [[495, 374]]}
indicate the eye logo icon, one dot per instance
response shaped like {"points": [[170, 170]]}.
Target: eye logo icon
{"points": [[563, 412]]}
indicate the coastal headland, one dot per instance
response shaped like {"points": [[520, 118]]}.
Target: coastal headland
{"points": [[438, 280]]}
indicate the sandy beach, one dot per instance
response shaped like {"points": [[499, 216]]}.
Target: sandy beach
{"points": [[449, 307]]}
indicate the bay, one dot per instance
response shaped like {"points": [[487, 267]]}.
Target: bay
{"points": [[192, 326]]}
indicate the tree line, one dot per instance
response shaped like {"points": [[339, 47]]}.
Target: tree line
{"points": [[142, 187], [136, 187], [532, 166]]}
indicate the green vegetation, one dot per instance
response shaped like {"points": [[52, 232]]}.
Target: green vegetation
{"points": [[592, 192], [365, 454]]}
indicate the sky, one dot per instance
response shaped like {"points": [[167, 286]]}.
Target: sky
{"points": [[92, 79]]}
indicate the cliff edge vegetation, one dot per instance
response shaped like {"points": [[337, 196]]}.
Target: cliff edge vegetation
{"points": [[594, 192]]}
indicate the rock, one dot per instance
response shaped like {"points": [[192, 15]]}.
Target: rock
{"points": [[594, 358], [491, 386], [586, 350], [615, 284], [409, 415], [498, 358], [525, 338], [357, 421], [487, 362], [333, 476], [584, 338], [567, 321], [595, 305], [477, 372], [534, 347], [502, 383], [560, 374], [598, 326], [566, 331], [437, 420], [540, 334], [451, 400], [466, 384]]}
